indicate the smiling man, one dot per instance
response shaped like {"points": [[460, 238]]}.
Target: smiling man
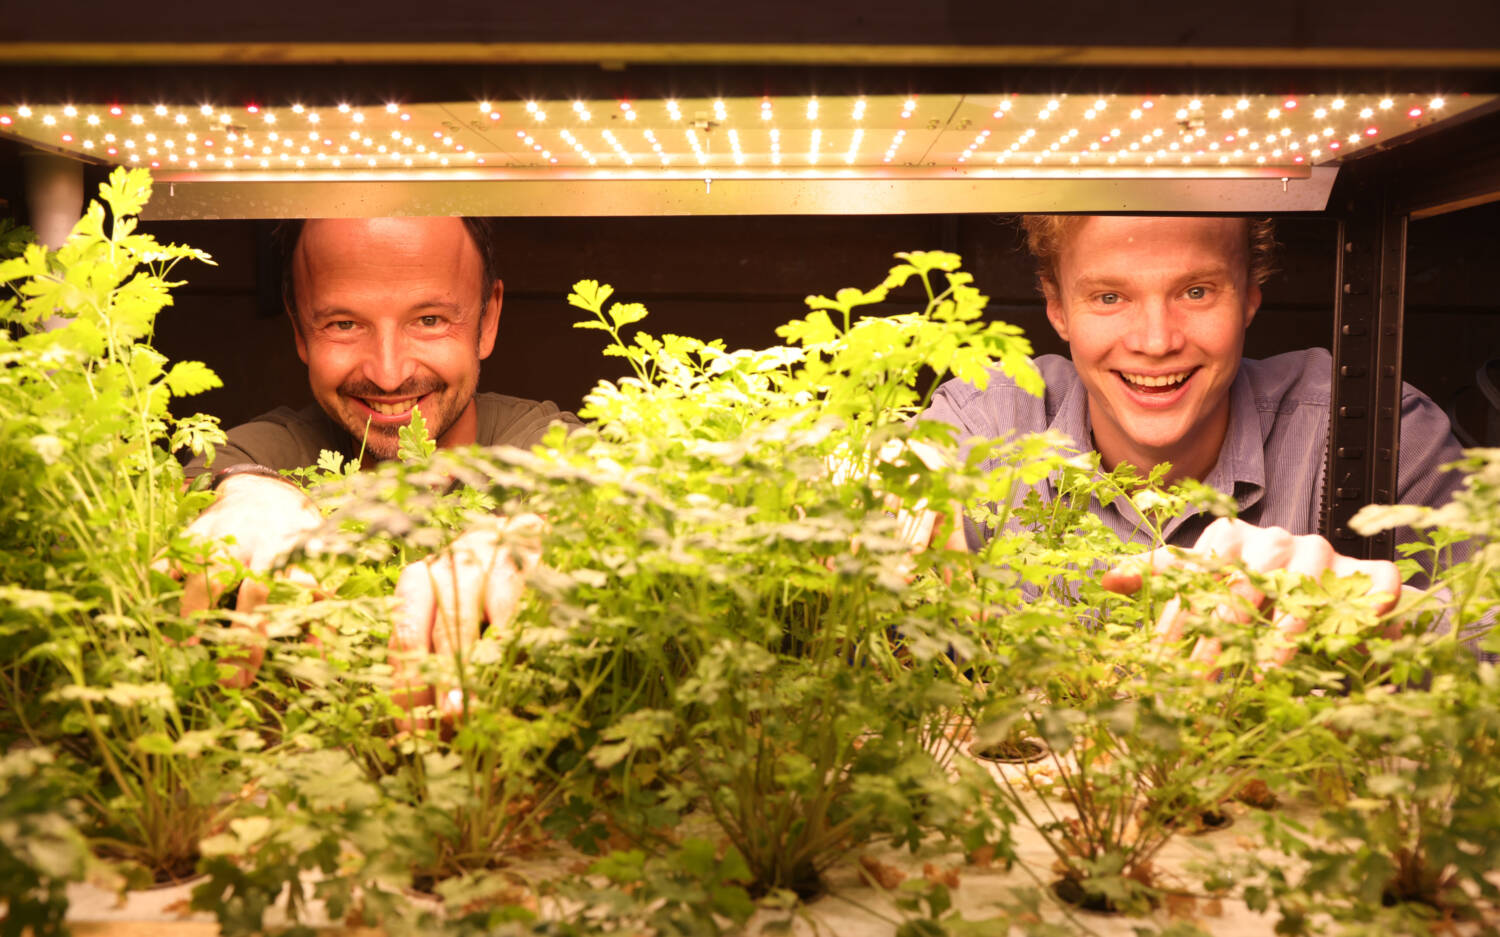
{"points": [[388, 314], [1154, 311]]}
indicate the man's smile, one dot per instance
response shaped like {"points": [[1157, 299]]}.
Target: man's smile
{"points": [[401, 408], [391, 408], [1162, 384]]}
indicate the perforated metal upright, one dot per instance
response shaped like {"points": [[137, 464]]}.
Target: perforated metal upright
{"points": [[1365, 410], [1373, 200]]}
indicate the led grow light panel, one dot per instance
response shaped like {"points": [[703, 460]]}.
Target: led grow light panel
{"points": [[867, 137]]}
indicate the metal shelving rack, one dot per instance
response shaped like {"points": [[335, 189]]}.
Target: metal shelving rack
{"points": [[1373, 201], [658, 49]]}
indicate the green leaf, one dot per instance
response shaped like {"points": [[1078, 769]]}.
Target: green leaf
{"points": [[412, 443], [126, 191], [923, 261], [815, 329], [155, 743], [191, 377], [641, 730], [733, 868], [623, 314], [590, 295]]}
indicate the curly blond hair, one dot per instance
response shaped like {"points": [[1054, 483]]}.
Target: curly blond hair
{"points": [[1046, 236]]}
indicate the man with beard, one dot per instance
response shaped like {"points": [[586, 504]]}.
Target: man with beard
{"points": [[390, 315]]}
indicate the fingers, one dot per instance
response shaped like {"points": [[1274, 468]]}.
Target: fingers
{"points": [[1385, 578], [1244, 599], [411, 641], [1260, 550], [1287, 627], [415, 604], [1255, 551], [198, 592], [1224, 540], [1171, 627], [251, 626], [1268, 549], [458, 578], [915, 528], [1406, 596], [525, 532], [1127, 576], [202, 587], [1206, 653], [503, 588], [442, 601], [252, 523], [1172, 622], [1310, 556], [252, 594]]}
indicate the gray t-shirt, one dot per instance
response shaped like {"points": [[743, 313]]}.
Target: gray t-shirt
{"points": [[1274, 454], [288, 439]]}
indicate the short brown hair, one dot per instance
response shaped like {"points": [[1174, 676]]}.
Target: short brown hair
{"points": [[1046, 235], [287, 234]]}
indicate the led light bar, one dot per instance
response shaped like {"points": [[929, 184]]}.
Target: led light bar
{"points": [[877, 137]]}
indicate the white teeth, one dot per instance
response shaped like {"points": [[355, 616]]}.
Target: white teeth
{"points": [[1165, 380], [388, 409]]}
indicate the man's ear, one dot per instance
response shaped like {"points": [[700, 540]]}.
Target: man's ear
{"points": [[297, 335], [1252, 303], [1056, 314], [489, 320]]}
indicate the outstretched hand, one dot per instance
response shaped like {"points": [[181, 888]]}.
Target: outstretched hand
{"points": [[1257, 550], [443, 601], [254, 522]]}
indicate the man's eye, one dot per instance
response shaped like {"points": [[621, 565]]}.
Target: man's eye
{"points": [[342, 325], [1197, 292], [1109, 299], [429, 321]]}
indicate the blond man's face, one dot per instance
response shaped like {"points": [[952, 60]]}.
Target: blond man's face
{"points": [[1154, 311]]}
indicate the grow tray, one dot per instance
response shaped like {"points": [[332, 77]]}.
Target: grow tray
{"points": [[855, 904]]}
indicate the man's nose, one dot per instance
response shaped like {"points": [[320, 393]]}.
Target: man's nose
{"points": [[389, 363], [1156, 331]]}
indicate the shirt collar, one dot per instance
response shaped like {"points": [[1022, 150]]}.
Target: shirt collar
{"points": [[1241, 469], [1072, 417]]}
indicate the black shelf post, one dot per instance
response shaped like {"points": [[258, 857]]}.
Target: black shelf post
{"points": [[1365, 409]]}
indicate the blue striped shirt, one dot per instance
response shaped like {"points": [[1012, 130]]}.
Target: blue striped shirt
{"points": [[1274, 455]]}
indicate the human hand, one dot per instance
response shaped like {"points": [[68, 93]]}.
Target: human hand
{"points": [[254, 522], [441, 602], [1258, 550], [918, 523]]}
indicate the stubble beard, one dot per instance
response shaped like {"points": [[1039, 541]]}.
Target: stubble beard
{"points": [[381, 442]]}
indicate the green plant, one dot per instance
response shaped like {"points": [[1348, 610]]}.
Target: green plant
{"points": [[736, 664], [719, 567], [374, 809], [97, 665], [41, 850], [1407, 842]]}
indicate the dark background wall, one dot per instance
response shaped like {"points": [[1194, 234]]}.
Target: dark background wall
{"points": [[729, 278], [738, 278]]}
